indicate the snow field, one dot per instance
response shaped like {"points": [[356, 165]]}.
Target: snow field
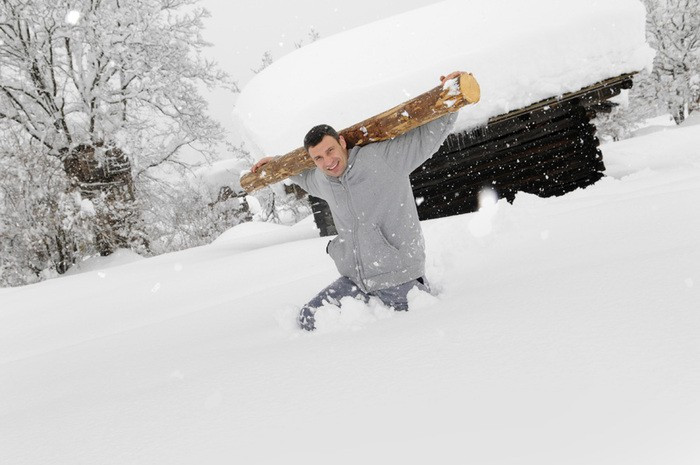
{"points": [[563, 331]]}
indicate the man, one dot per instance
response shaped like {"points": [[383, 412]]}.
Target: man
{"points": [[379, 250]]}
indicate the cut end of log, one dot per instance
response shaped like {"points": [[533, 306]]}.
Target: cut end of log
{"points": [[469, 88]]}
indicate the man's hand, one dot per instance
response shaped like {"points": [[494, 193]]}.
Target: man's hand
{"points": [[452, 75], [260, 163]]}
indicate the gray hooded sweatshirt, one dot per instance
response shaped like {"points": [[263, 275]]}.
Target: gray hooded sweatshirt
{"points": [[380, 242]]}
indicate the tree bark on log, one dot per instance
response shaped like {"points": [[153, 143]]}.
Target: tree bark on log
{"points": [[429, 106]]}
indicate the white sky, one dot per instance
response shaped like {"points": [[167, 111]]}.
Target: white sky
{"points": [[241, 31]]}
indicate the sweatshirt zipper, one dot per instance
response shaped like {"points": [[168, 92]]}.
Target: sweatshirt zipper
{"points": [[356, 243]]}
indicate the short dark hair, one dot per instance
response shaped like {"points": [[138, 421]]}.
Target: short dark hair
{"points": [[317, 133]]}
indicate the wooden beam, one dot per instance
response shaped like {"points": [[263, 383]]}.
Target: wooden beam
{"points": [[624, 81]]}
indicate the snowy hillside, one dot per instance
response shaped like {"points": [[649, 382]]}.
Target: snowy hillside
{"points": [[565, 331]]}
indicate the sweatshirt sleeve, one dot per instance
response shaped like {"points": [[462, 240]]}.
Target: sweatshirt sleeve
{"points": [[306, 181], [407, 152]]}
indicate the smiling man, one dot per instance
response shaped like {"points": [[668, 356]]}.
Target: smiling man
{"points": [[379, 250], [327, 149]]}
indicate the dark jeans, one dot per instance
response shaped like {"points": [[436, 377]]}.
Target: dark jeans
{"points": [[396, 297]]}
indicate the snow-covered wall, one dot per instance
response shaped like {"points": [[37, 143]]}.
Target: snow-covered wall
{"points": [[520, 52]]}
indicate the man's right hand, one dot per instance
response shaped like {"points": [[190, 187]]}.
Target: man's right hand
{"points": [[263, 161], [452, 75]]}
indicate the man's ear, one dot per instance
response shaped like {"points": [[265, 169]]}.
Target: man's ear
{"points": [[343, 144]]}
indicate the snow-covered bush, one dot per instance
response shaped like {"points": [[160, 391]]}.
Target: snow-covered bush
{"points": [[206, 202], [44, 228], [282, 203]]}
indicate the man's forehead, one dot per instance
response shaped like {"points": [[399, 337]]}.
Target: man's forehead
{"points": [[326, 144]]}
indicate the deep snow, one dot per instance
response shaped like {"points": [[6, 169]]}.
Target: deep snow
{"points": [[565, 331]]}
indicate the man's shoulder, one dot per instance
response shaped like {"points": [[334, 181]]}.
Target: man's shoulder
{"points": [[369, 150]]}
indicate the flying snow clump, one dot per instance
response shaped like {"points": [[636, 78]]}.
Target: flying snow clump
{"points": [[73, 17]]}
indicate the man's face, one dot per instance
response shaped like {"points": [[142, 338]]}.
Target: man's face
{"points": [[330, 155]]}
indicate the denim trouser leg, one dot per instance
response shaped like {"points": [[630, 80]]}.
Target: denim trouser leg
{"points": [[341, 287], [396, 297]]}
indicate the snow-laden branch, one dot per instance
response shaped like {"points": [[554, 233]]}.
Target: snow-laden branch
{"points": [[85, 80]]}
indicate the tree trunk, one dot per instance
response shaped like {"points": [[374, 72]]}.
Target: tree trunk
{"points": [[422, 109]]}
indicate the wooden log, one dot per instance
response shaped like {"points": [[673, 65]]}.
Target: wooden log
{"points": [[455, 94]]}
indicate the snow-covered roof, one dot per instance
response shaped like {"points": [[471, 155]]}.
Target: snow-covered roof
{"points": [[520, 52]]}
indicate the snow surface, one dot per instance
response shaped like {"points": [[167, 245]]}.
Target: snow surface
{"points": [[97, 263], [655, 124], [564, 331], [520, 52]]}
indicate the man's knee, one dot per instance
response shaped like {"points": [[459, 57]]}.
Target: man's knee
{"points": [[397, 296]]}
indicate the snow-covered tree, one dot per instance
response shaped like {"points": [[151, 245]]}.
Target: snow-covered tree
{"points": [[108, 90], [266, 61], [673, 85], [632, 108], [209, 201], [312, 36], [673, 30], [44, 227]]}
